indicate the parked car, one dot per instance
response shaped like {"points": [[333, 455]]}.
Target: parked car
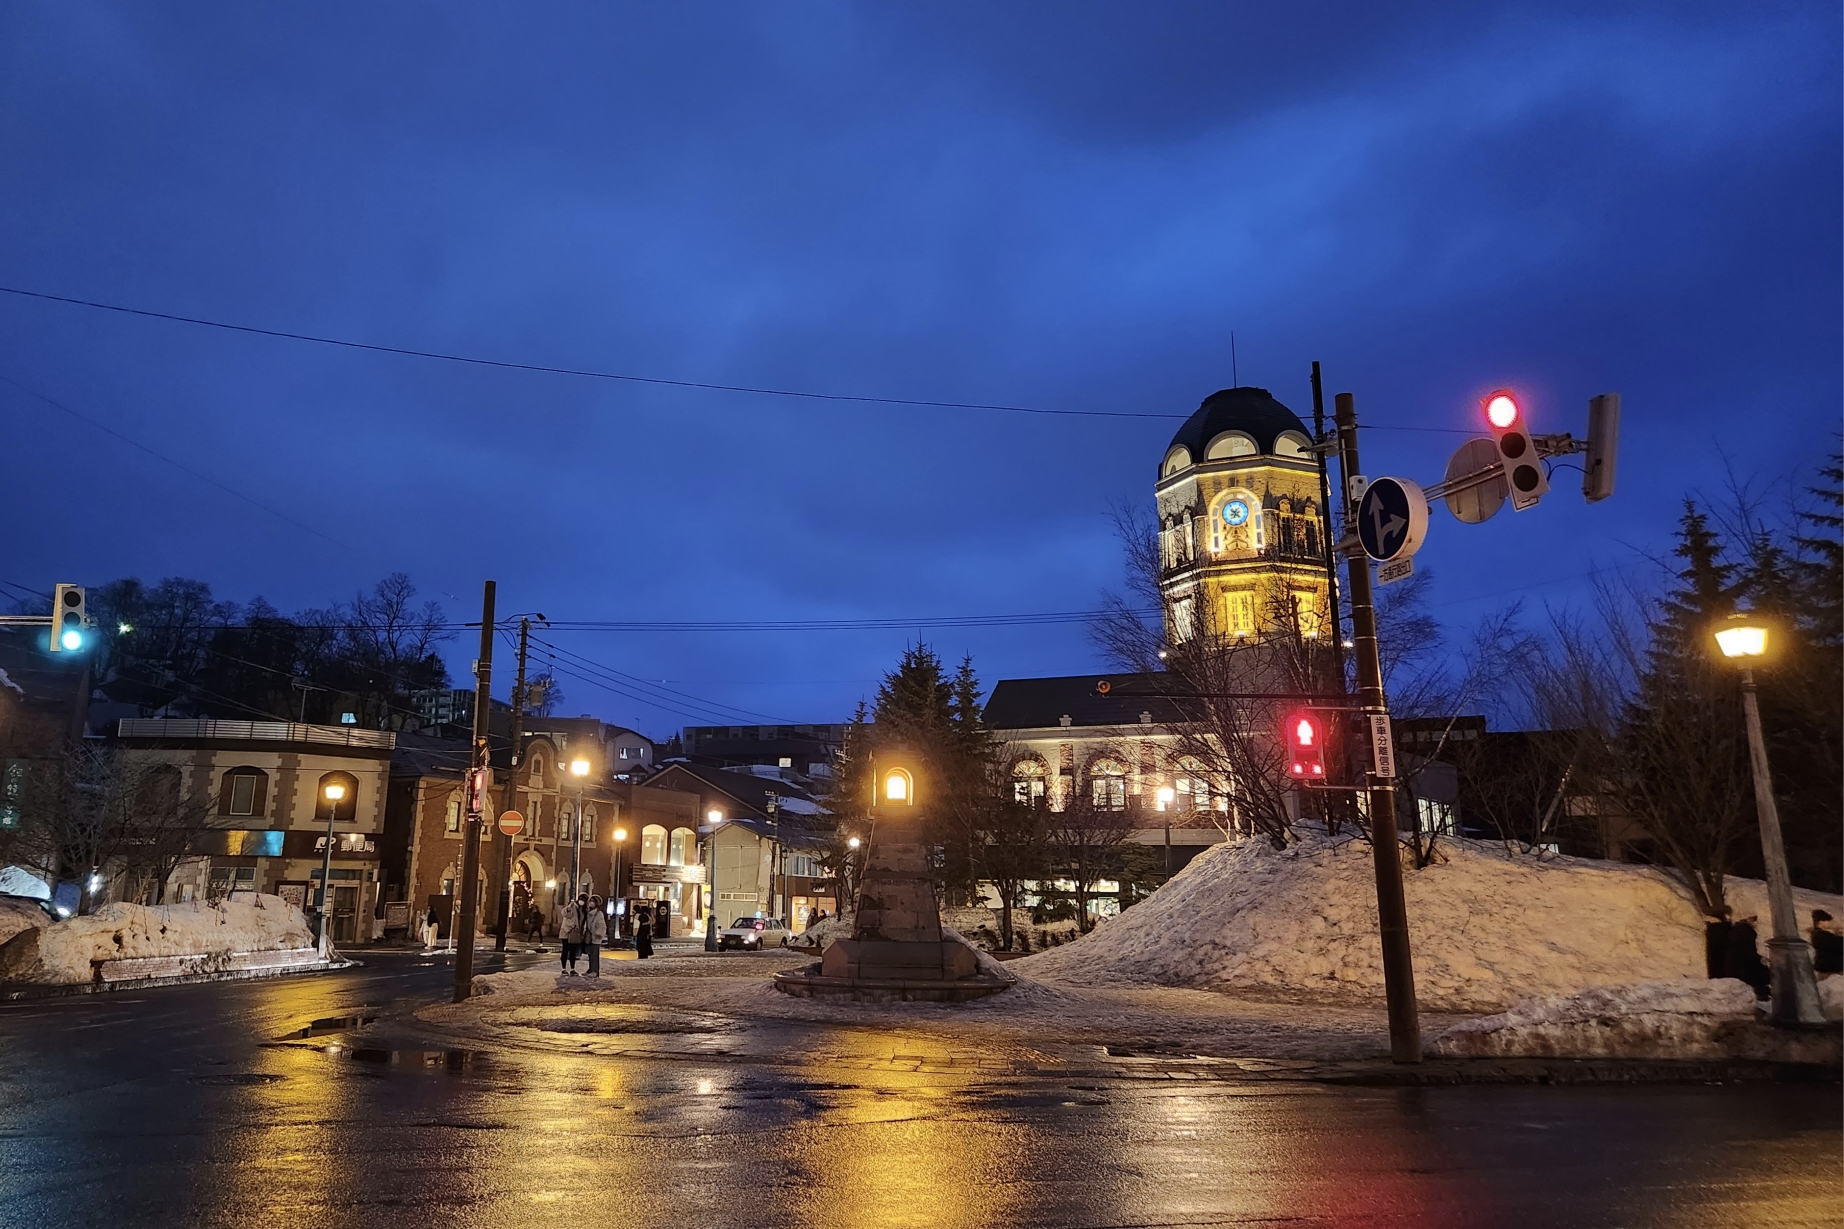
{"points": [[752, 934]]}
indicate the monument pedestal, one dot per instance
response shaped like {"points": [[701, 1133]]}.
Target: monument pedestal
{"points": [[897, 950]]}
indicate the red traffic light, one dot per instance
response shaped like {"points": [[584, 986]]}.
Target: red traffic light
{"points": [[1305, 739], [1501, 410]]}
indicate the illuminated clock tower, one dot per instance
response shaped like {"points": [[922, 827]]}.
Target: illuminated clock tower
{"points": [[1241, 530]]}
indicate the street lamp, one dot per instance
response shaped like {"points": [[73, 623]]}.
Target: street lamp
{"points": [[713, 817], [334, 791], [620, 835], [1743, 639], [579, 768]]}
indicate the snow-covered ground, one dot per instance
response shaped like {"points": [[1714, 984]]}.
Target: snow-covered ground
{"points": [[1487, 929], [1674, 1019], [66, 952]]}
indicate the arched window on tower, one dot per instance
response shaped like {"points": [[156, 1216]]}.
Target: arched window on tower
{"points": [[1230, 445], [1293, 446]]}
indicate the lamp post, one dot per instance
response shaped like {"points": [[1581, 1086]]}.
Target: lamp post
{"points": [[334, 791], [713, 817], [1743, 639], [579, 768], [614, 895], [850, 894]]}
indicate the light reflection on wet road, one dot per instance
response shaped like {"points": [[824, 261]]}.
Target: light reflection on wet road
{"points": [[185, 1106]]}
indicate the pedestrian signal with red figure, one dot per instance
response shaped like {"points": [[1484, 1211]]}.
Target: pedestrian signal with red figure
{"points": [[1525, 480], [1305, 737]]}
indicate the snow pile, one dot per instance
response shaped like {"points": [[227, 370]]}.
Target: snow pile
{"points": [[1487, 929], [815, 937], [1681, 1019], [70, 950]]}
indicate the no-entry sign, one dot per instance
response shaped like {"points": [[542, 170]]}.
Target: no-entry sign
{"points": [[511, 823]]}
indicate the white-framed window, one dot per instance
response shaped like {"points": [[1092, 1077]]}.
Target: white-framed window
{"points": [[803, 865], [243, 794], [1238, 612], [452, 823], [1028, 782], [683, 848], [653, 845], [1108, 785]]}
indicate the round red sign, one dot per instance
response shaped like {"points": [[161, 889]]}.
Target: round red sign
{"points": [[511, 823]]}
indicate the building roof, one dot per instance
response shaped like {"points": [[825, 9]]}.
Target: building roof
{"points": [[1029, 704], [1253, 410], [748, 790], [424, 755]]}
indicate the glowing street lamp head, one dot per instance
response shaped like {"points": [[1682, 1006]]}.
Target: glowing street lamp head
{"points": [[334, 791], [853, 843], [621, 834], [579, 767], [1742, 636], [714, 816], [1167, 796], [1501, 410], [896, 786]]}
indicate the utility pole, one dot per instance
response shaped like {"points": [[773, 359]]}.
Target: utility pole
{"points": [[470, 832], [774, 866], [1329, 529], [1392, 909], [502, 844]]}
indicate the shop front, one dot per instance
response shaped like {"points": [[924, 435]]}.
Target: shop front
{"points": [[671, 897]]}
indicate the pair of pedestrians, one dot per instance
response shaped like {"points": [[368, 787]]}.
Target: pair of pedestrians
{"points": [[583, 930]]}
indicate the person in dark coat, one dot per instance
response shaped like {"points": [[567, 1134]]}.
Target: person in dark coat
{"points": [[643, 933], [1827, 945], [1743, 960]]}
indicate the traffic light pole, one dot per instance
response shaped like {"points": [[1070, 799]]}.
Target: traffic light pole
{"points": [[1392, 909], [470, 834]]}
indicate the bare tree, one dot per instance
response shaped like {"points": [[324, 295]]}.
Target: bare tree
{"points": [[1122, 632], [1084, 834], [1010, 844]]}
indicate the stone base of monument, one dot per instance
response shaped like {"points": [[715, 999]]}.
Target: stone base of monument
{"points": [[887, 971], [897, 950]]}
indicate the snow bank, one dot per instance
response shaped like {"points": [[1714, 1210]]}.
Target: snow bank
{"points": [[817, 936], [70, 950], [1487, 929], [1681, 1019]]}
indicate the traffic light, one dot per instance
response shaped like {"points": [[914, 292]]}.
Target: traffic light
{"points": [[68, 620], [1305, 738], [1525, 480]]}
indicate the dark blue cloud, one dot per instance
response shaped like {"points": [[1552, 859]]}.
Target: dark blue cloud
{"points": [[1063, 206]]}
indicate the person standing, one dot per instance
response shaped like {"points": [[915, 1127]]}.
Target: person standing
{"points": [[432, 928], [643, 933], [572, 920], [595, 933]]}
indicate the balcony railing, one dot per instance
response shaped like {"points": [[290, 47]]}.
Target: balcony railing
{"points": [[255, 731]]}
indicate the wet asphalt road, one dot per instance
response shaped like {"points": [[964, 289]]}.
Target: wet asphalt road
{"points": [[190, 1106]]}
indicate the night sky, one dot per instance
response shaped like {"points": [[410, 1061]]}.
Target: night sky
{"points": [[1058, 206]]}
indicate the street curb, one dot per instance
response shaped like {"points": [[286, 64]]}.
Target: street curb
{"points": [[27, 993]]}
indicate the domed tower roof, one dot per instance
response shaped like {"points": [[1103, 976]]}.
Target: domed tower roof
{"points": [[1253, 411]]}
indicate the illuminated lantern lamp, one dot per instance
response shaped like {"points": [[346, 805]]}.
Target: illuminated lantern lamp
{"points": [[893, 783]]}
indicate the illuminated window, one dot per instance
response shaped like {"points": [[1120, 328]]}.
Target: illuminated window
{"points": [[653, 845], [684, 851], [453, 822], [1183, 620], [1028, 782], [1238, 612], [1293, 445], [1306, 612], [1229, 445], [1177, 460], [1108, 785]]}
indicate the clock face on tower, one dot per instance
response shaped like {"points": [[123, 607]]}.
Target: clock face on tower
{"points": [[1235, 512]]}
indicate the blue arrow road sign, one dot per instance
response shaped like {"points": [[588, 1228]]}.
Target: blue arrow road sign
{"points": [[1392, 519]]}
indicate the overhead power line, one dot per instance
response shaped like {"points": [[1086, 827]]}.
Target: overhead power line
{"points": [[622, 377]]}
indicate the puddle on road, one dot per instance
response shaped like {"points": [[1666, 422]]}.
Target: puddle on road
{"points": [[427, 1060], [331, 1024]]}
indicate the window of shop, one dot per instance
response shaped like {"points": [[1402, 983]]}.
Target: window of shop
{"points": [[684, 848], [653, 845]]}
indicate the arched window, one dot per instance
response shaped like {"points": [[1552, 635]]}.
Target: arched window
{"points": [[347, 808], [1191, 786], [1108, 785], [244, 791], [684, 848], [1176, 461], [653, 845], [452, 821], [1028, 777], [537, 772], [1231, 444], [588, 822], [1293, 445]]}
